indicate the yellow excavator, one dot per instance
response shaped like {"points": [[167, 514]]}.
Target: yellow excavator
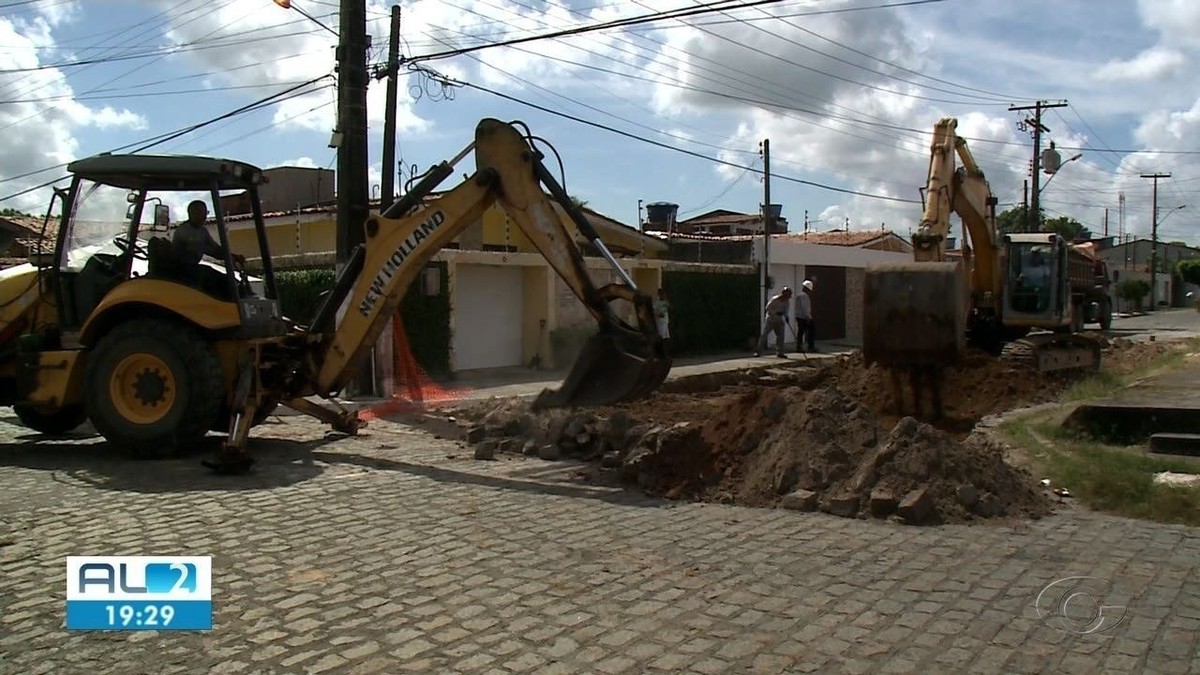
{"points": [[1022, 296], [111, 326]]}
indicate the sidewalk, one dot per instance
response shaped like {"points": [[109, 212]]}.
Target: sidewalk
{"points": [[527, 383]]}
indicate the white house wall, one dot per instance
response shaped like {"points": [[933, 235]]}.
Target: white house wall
{"points": [[789, 259], [786, 252]]}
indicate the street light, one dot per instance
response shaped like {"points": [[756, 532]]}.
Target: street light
{"points": [[1060, 166], [1154, 253], [1164, 218], [287, 4]]}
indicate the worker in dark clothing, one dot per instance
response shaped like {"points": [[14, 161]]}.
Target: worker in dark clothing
{"points": [[190, 243]]}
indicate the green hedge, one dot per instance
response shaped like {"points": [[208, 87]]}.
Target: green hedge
{"points": [[300, 292], [427, 322], [711, 312], [1189, 271], [426, 317]]}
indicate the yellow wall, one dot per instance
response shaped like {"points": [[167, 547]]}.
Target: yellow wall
{"points": [[319, 236], [314, 237], [537, 306], [494, 226]]}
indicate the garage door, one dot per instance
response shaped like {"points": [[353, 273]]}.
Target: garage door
{"points": [[487, 316]]}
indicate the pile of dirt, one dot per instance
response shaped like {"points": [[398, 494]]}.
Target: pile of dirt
{"points": [[806, 437], [980, 386], [770, 447], [1123, 357]]}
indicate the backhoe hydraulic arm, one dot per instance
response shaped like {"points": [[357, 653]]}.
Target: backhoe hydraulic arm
{"points": [[621, 361]]}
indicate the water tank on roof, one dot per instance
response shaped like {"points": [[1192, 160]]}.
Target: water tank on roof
{"points": [[660, 215]]}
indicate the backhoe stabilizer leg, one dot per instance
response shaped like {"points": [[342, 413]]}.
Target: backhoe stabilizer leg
{"points": [[342, 421], [232, 458]]}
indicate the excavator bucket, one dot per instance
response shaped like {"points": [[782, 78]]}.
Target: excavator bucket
{"points": [[914, 314], [614, 365], [619, 363]]}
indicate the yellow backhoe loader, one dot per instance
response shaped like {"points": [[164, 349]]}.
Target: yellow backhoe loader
{"points": [[112, 327], [1020, 296]]}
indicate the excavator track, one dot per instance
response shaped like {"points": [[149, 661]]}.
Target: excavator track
{"points": [[1049, 352]]}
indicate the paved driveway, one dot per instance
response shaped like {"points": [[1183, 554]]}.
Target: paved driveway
{"points": [[395, 551]]}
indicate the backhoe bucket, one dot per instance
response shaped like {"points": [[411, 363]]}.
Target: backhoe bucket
{"points": [[615, 365], [914, 314]]}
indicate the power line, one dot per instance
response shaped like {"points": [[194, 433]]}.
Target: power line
{"points": [[698, 155], [580, 30], [796, 64], [292, 92]]}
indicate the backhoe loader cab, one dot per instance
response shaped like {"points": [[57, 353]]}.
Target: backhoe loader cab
{"points": [[113, 326], [112, 231]]}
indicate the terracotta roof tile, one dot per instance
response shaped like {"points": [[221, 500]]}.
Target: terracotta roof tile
{"points": [[832, 238], [841, 237]]}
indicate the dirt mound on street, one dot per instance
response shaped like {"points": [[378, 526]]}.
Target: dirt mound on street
{"points": [[1123, 357], [822, 449], [804, 437], [981, 385], [771, 447]]}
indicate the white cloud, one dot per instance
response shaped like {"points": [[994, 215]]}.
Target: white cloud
{"points": [[303, 162], [1177, 20], [286, 49], [106, 118], [1155, 63], [40, 129]]}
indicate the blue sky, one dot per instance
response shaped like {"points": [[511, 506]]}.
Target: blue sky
{"points": [[846, 91]]}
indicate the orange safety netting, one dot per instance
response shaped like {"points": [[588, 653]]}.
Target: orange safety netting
{"points": [[413, 387]]}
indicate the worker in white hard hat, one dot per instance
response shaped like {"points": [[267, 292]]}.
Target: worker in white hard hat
{"points": [[805, 334]]}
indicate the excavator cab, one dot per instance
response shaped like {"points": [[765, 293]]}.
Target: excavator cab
{"points": [[1036, 292]]}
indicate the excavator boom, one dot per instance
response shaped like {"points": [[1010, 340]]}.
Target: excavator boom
{"points": [[620, 362]]}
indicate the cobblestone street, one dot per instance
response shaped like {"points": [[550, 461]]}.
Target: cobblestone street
{"points": [[395, 551]]}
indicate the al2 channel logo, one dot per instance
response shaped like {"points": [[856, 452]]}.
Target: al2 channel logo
{"points": [[139, 592]]}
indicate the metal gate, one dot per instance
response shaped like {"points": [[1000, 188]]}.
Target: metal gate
{"points": [[828, 300]]}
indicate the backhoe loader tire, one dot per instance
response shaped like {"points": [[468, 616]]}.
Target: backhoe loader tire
{"points": [[146, 363], [54, 422]]}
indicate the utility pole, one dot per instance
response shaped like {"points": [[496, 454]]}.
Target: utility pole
{"points": [[766, 271], [1121, 217], [351, 137], [392, 72], [1154, 240], [1105, 223], [1034, 213]]}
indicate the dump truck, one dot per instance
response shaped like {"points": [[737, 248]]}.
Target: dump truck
{"points": [[110, 326]]}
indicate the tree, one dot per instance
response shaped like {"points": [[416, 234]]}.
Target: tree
{"points": [[1067, 228], [14, 212], [1014, 220], [1189, 271], [1134, 291]]}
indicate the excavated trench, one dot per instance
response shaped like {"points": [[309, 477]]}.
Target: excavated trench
{"points": [[802, 437]]}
